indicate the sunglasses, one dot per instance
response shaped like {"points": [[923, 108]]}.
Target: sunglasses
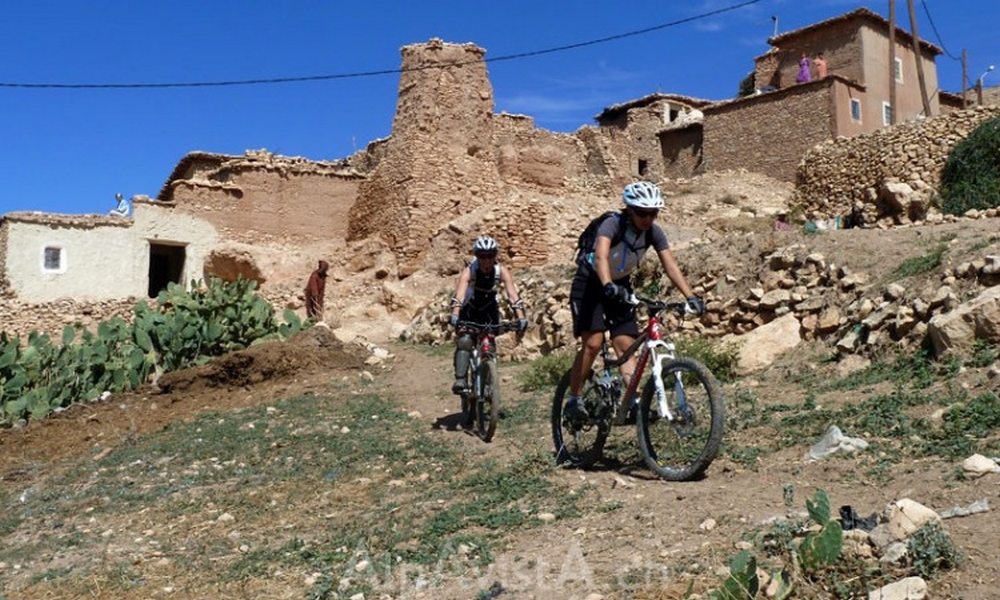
{"points": [[645, 214], [486, 255]]}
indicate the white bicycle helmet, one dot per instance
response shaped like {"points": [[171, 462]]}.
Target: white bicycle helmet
{"points": [[642, 194], [485, 244]]}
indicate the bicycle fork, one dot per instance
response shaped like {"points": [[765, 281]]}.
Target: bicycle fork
{"points": [[662, 405]]}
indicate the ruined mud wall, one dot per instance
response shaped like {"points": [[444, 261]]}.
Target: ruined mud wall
{"points": [[528, 158], [263, 197], [439, 160], [847, 174]]}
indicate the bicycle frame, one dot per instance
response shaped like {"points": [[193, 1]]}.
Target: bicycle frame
{"points": [[653, 345], [483, 349], [679, 422], [480, 402]]}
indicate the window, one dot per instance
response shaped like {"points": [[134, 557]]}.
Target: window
{"points": [[856, 109], [53, 260], [898, 70], [643, 167], [886, 114]]}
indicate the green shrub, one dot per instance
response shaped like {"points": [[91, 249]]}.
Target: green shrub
{"points": [[546, 371], [931, 551], [184, 328], [971, 176], [720, 358], [918, 265]]}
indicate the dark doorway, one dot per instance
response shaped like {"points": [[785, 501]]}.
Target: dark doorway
{"points": [[166, 265]]}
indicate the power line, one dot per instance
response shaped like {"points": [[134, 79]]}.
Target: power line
{"points": [[930, 20], [373, 73]]}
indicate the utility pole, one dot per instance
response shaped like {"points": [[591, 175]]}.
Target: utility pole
{"points": [[892, 62], [965, 78], [920, 59]]}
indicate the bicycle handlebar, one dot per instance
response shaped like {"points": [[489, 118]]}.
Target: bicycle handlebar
{"points": [[494, 328], [655, 306]]}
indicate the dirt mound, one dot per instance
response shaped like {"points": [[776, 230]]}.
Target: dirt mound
{"points": [[314, 347], [262, 373]]}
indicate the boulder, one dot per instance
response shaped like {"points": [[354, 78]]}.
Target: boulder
{"points": [[761, 346], [959, 329], [230, 261]]}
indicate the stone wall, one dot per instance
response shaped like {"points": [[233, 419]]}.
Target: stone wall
{"points": [[21, 318], [520, 229], [768, 133], [528, 158], [848, 175], [683, 154], [644, 155]]}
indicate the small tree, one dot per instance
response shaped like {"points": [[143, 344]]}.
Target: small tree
{"points": [[748, 85], [971, 176]]}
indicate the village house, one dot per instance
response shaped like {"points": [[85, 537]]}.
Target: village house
{"points": [[769, 131], [48, 257], [210, 204]]}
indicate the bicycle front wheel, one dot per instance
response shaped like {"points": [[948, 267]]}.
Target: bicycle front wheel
{"points": [[489, 401], [682, 446], [580, 444]]}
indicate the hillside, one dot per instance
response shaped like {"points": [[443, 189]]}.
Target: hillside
{"points": [[316, 469]]}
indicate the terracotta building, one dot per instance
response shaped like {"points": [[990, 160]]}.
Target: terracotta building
{"points": [[770, 131]]}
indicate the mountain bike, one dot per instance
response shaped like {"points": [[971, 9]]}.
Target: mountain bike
{"points": [[679, 416], [481, 400]]}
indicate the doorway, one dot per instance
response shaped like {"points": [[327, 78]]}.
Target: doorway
{"points": [[166, 265]]}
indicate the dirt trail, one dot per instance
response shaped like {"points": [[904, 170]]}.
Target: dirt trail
{"points": [[646, 534], [663, 534]]}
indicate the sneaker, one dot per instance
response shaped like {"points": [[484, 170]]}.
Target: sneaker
{"points": [[459, 386], [575, 410]]}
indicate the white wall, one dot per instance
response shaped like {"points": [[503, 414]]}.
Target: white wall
{"points": [[102, 260]]}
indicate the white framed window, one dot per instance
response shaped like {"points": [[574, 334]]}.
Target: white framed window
{"points": [[53, 259], [898, 70], [886, 114], [856, 110]]}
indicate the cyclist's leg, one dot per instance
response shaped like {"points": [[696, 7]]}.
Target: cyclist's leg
{"points": [[588, 326], [463, 353], [624, 329], [590, 347]]}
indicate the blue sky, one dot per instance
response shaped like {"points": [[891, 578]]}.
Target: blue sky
{"points": [[70, 150]]}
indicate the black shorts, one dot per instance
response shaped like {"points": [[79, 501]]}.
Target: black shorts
{"points": [[590, 313]]}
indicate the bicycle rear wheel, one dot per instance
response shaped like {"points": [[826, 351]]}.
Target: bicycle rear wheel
{"points": [[488, 403], [682, 448], [578, 444]]}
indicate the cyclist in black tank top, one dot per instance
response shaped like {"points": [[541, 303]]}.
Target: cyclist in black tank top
{"points": [[475, 300]]}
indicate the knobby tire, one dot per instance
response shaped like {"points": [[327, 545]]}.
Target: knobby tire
{"points": [[583, 447], [488, 405], [683, 449]]}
